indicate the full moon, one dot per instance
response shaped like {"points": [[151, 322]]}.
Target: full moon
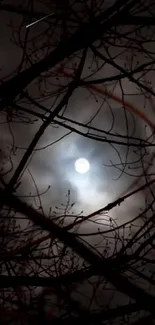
{"points": [[82, 165]]}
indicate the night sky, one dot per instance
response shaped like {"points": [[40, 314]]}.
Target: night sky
{"points": [[124, 113]]}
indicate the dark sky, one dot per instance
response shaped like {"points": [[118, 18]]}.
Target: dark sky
{"points": [[53, 165]]}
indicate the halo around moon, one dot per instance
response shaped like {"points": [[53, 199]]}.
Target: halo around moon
{"points": [[82, 165]]}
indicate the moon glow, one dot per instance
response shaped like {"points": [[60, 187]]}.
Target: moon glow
{"points": [[82, 165]]}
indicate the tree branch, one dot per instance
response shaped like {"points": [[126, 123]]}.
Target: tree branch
{"points": [[104, 266], [88, 33], [118, 67]]}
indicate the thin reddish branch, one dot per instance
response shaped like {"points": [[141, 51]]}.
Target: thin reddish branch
{"points": [[110, 206], [105, 92], [25, 249]]}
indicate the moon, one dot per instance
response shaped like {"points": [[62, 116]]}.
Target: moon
{"points": [[82, 165]]}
